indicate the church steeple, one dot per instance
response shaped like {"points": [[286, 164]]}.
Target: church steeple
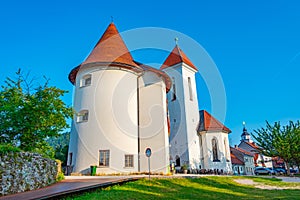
{"points": [[245, 137], [177, 56]]}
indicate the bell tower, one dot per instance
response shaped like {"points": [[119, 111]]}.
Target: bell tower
{"points": [[183, 109], [245, 137]]}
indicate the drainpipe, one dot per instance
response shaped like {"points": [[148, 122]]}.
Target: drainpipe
{"points": [[138, 121]]}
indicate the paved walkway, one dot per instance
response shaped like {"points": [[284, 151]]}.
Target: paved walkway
{"points": [[69, 185]]}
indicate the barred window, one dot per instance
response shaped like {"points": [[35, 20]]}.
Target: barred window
{"points": [[104, 158], [128, 160]]}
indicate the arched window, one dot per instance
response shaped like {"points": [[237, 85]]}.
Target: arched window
{"points": [[214, 143]]}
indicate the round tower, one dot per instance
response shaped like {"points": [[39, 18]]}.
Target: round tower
{"points": [[105, 130]]}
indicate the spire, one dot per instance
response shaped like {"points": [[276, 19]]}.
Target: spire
{"points": [[245, 137], [177, 56], [244, 130], [111, 48]]}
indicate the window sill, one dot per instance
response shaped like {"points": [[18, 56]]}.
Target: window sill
{"points": [[101, 166], [216, 161], [82, 121]]}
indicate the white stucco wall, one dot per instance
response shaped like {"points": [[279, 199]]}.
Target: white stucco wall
{"points": [[111, 100], [249, 165], [184, 116], [153, 123], [225, 161]]}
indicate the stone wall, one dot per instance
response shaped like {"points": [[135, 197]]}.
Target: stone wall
{"points": [[23, 171]]}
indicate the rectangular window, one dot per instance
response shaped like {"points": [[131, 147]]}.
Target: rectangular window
{"points": [[128, 160], [82, 116], [104, 158], [86, 80], [190, 88]]}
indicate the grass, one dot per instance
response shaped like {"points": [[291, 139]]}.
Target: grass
{"points": [[209, 187]]}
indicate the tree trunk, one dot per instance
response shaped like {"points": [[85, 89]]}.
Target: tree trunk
{"points": [[287, 165]]}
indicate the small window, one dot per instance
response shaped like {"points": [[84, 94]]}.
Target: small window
{"points": [[83, 116], [86, 80], [174, 90], [104, 158], [190, 88], [128, 160]]}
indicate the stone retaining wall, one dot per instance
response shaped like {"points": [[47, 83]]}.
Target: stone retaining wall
{"points": [[23, 171]]}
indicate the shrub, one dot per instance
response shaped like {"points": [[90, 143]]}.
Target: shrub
{"points": [[4, 148], [60, 176]]}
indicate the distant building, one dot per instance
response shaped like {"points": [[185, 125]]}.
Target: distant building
{"points": [[248, 145], [242, 161], [123, 106]]}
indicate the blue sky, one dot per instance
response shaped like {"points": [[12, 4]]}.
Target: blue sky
{"points": [[254, 44]]}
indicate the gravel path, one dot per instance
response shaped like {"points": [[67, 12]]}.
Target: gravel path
{"points": [[269, 187]]}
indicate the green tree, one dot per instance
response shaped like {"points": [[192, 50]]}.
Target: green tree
{"points": [[30, 113], [60, 144], [282, 141]]}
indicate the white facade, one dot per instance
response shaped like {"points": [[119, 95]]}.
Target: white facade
{"points": [[184, 116], [223, 160], [113, 109], [153, 123], [122, 109]]}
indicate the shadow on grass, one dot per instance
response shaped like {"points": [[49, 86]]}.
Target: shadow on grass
{"points": [[189, 188]]}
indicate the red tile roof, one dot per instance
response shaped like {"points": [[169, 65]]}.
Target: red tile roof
{"points": [[253, 145], [110, 48], [243, 151], [235, 160], [209, 123], [175, 57], [166, 78]]}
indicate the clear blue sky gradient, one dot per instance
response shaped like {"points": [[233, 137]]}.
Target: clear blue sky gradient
{"points": [[255, 45]]}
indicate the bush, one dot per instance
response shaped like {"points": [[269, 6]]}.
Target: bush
{"points": [[60, 176], [4, 148]]}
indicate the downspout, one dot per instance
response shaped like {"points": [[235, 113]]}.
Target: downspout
{"points": [[138, 121]]}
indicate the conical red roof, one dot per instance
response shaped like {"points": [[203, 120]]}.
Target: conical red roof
{"points": [[209, 123], [110, 48], [175, 57]]}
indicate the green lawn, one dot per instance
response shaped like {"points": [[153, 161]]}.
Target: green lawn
{"points": [[209, 187]]}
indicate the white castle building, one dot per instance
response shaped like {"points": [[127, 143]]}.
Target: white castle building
{"points": [[122, 109]]}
